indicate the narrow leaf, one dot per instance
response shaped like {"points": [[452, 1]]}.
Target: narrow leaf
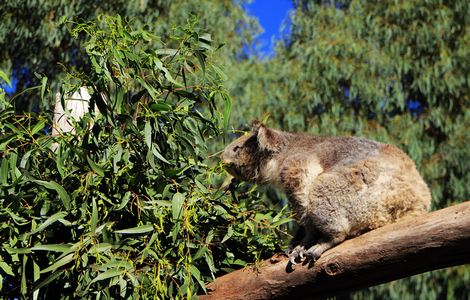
{"points": [[228, 235], [148, 134], [52, 185], [227, 110], [177, 205], [108, 274], [53, 248], [6, 268], [38, 127], [61, 262], [94, 215], [43, 86], [136, 230], [55, 217], [4, 76], [94, 166]]}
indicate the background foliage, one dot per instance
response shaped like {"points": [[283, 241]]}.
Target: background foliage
{"points": [[394, 71], [32, 38], [127, 206]]}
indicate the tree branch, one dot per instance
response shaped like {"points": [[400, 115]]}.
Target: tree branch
{"points": [[415, 245]]}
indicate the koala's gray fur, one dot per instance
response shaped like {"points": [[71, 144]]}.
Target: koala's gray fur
{"points": [[338, 187]]}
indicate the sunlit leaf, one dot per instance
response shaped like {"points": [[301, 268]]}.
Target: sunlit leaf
{"points": [[52, 185], [136, 230]]}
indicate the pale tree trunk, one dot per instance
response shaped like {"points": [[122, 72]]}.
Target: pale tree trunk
{"points": [[415, 245], [75, 107]]}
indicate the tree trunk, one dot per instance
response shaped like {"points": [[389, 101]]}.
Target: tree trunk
{"points": [[408, 247]]}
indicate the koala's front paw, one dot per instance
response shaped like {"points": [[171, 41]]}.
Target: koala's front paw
{"points": [[314, 252], [296, 255]]}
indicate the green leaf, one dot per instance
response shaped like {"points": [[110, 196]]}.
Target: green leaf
{"points": [[60, 160], [25, 158], [6, 140], [220, 73], [17, 250], [166, 51], [6, 268], [53, 247], [4, 172], [4, 76], [227, 110], [201, 186], [24, 287], [101, 247], [108, 274], [136, 230], [159, 155], [280, 222], [94, 215], [43, 86], [38, 127], [36, 276], [160, 106], [48, 280], [125, 199], [52, 185], [148, 134], [200, 253], [61, 262], [94, 166], [197, 275], [200, 57], [228, 234], [177, 205], [52, 219]]}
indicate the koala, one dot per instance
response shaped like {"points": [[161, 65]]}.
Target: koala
{"points": [[338, 187]]}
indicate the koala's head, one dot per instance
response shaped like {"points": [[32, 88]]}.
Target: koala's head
{"points": [[246, 156]]}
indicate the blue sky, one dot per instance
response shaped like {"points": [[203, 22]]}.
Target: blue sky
{"points": [[271, 14]]}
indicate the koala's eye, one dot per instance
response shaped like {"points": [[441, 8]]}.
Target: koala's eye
{"points": [[236, 148]]}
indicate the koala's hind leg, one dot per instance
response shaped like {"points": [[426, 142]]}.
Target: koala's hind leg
{"points": [[298, 248], [314, 252], [311, 249]]}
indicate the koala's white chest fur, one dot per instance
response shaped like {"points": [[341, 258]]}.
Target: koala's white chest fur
{"points": [[270, 172], [309, 172]]}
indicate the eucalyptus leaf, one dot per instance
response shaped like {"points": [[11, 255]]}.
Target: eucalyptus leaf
{"points": [[52, 185], [136, 230]]}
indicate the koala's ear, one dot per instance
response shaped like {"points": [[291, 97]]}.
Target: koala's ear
{"points": [[267, 138]]}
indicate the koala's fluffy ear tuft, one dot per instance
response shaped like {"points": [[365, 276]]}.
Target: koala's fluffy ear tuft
{"points": [[255, 124], [267, 139]]}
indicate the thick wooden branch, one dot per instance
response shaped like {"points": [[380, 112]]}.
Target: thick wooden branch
{"points": [[435, 240]]}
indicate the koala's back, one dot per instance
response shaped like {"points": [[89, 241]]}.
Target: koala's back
{"points": [[358, 185], [337, 151]]}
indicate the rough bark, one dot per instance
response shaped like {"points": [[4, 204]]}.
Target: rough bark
{"points": [[432, 241]]}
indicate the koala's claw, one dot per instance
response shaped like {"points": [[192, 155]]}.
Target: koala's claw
{"points": [[314, 252], [297, 254], [292, 260]]}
